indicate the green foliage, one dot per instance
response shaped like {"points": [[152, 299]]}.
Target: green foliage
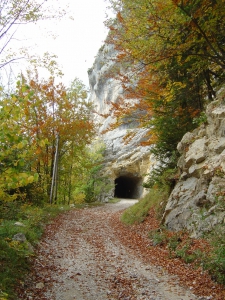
{"points": [[15, 153], [96, 183], [162, 180], [158, 237], [162, 177], [14, 255], [202, 119], [173, 242], [13, 267], [172, 57], [215, 263], [180, 245], [185, 255], [139, 211], [171, 121], [114, 200], [30, 119]]}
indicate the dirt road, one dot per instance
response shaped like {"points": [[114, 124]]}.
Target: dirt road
{"points": [[81, 258]]}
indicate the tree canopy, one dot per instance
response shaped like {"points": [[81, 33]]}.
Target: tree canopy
{"points": [[31, 119], [172, 55]]}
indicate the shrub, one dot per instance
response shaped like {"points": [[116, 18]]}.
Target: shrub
{"points": [[158, 237], [14, 255], [216, 262]]}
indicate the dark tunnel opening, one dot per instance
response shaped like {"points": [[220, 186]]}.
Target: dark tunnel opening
{"points": [[127, 187]]}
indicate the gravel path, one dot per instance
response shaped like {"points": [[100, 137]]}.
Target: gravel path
{"points": [[81, 258]]}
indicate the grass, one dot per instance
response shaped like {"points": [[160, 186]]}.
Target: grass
{"points": [[138, 212], [14, 255], [114, 200]]}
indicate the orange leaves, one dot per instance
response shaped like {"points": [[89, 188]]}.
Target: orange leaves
{"points": [[119, 17], [48, 108], [128, 137], [136, 239], [151, 139], [168, 57]]}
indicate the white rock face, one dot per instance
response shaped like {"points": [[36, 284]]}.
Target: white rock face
{"points": [[122, 159], [197, 202]]}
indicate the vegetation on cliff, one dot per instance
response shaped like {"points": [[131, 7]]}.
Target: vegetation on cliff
{"points": [[172, 55]]}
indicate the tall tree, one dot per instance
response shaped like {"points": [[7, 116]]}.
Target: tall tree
{"points": [[172, 55], [52, 110]]}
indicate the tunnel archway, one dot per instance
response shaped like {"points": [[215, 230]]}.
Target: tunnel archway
{"points": [[128, 186]]}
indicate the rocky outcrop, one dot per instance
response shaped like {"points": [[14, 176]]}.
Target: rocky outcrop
{"points": [[197, 202], [126, 161]]}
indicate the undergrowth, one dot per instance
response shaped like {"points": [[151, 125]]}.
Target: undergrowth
{"points": [[15, 255], [216, 261], [137, 213], [114, 200], [209, 253]]}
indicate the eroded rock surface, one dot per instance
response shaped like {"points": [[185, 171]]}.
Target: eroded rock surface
{"points": [[121, 159], [197, 203]]}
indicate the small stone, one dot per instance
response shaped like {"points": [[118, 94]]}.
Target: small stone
{"points": [[133, 276], [19, 224], [40, 285], [20, 237]]}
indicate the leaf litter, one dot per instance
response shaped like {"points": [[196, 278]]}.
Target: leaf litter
{"points": [[89, 254]]}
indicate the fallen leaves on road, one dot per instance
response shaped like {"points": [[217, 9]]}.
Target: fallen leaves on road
{"points": [[135, 237], [101, 231]]}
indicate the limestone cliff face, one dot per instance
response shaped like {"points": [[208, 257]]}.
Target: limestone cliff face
{"points": [[197, 202], [126, 162]]}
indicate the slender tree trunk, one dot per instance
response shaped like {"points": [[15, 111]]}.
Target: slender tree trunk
{"points": [[211, 92], [54, 173], [70, 184]]}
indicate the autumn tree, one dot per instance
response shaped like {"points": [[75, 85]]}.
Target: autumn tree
{"points": [[75, 139], [16, 155], [32, 118], [172, 57], [50, 110]]}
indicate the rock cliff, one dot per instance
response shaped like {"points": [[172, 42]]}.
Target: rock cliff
{"points": [[197, 202], [125, 163]]}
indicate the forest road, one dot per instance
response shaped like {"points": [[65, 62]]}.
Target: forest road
{"points": [[81, 258]]}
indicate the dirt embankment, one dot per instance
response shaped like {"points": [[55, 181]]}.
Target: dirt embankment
{"points": [[88, 255]]}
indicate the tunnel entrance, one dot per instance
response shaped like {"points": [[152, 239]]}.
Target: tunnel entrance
{"points": [[127, 187]]}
